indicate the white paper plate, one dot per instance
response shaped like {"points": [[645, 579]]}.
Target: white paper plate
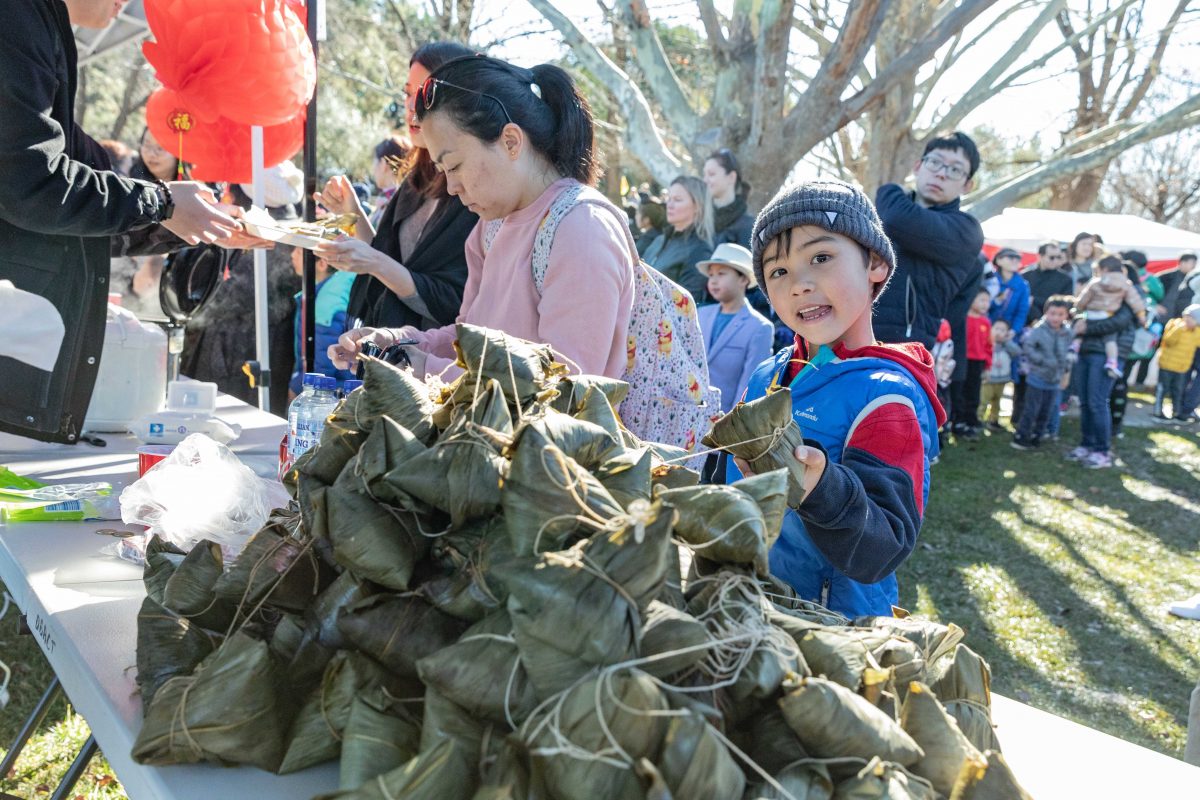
{"points": [[258, 222]]}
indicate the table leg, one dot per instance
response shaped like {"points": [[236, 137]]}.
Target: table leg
{"points": [[76, 770], [52, 693]]}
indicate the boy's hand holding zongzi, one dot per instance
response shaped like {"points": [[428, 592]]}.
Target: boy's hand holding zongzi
{"points": [[811, 457]]}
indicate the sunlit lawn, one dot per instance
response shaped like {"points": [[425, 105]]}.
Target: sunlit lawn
{"points": [[1060, 575]]}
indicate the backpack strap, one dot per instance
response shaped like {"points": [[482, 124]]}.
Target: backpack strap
{"points": [[562, 205]]}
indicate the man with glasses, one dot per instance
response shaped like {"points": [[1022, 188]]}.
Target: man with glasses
{"points": [[1048, 278], [937, 245]]}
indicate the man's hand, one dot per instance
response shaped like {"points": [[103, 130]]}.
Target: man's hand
{"points": [[811, 457], [197, 218], [343, 353], [240, 240]]}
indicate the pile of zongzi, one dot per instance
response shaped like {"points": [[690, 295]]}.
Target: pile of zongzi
{"points": [[478, 595]]}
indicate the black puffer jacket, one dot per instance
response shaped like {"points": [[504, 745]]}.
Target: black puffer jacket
{"points": [[61, 212], [937, 252]]}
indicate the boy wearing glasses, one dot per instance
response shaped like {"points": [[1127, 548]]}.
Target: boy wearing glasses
{"points": [[937, 245]]}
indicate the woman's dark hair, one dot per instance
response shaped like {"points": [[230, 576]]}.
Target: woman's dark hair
{"points": [[1079, 237], [729, 163], [419, 170], [394, 146], [483, 94]]}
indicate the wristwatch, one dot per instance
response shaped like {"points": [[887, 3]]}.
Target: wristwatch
{"points": [[165, 203]]}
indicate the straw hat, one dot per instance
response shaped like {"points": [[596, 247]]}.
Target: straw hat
{"points": [[731, 255]]}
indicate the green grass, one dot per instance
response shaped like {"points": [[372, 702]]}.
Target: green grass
{"points": [[53, 748], [1059, 575]]}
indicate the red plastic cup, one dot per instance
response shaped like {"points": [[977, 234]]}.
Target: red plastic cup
{"points": [[151, 454]]}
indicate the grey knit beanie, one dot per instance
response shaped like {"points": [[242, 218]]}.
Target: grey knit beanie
{"points": [[833, 205]]}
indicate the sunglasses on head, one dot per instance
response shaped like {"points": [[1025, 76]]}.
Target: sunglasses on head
{"points": [[427, 95]]}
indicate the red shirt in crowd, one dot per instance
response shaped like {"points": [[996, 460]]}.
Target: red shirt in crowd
{"points": [[979, 340]]}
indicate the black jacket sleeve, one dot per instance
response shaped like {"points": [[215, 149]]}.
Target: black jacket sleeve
{"points": [[935, 236], [442, 272], [862, 515], [42, 187]]}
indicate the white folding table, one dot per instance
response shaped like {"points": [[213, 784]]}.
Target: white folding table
{"points": [[82, 607]]}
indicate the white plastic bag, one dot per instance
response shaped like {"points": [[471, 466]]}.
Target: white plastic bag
{"points": [[202, 491]]}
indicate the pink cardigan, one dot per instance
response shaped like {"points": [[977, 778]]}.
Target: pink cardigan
{"points": [[587, 296]]}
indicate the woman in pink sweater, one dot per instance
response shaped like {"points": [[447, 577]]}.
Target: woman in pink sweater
{"points": [[510, 141]]}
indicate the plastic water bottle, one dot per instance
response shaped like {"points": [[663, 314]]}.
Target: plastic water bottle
{"points": [[349, 386], [307, 413]]}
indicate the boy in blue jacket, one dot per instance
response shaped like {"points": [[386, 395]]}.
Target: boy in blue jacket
{"points": [[869, 412]]}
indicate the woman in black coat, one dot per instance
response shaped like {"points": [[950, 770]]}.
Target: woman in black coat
{"points": [[412, 270]]}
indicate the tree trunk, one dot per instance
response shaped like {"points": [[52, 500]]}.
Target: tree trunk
{"points": [[890, 147], [1080, 192]]}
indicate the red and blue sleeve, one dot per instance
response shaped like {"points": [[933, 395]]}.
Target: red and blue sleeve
{"points": [[865, 512]]}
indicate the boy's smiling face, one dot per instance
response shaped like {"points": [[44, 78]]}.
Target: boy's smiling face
{"points": [[821, 285]]}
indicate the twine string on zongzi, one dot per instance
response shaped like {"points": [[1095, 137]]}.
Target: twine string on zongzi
{"points": [[775, 436], [306, 549]]}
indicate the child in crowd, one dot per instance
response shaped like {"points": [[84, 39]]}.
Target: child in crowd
{"points": [[1101, 298], [1046, 350], [333, 295], [1011, 302], [943, 370], [869, 412], [736, 337], [1180, 341], [999, 375], [965, 409]]}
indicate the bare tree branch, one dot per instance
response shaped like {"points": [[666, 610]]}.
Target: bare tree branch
{"points": [[712, 27], [652, 60], [1155, 66], [641, 135], [993, 200], [911, 61], [987, 85], [854, 39]]}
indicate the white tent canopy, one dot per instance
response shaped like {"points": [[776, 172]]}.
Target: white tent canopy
{"points": [[1025, 228], [129, 26]]}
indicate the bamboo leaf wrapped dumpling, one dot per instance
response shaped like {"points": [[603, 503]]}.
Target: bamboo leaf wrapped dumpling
{"points": [[833, 722], [275, 567], [628, 703], [524, 369], [189, 590], [627, 476], [482, 672], [315, 734], [573, 392], [393, 392], [437, 773], [167, 645], [398, 630], [764, 434], [880, 780], [987, 777], [963, 684], [545, 491], [695, 764], [946, 749], [667, 630], [461, 473], [721, 523], [369, 539], [226, 712], [380, 735]]}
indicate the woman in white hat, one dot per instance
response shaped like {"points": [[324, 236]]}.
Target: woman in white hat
{"points": [[737, 337]]}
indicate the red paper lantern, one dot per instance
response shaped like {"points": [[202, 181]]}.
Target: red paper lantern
{"points": [[220, 149], [247, 60]]}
